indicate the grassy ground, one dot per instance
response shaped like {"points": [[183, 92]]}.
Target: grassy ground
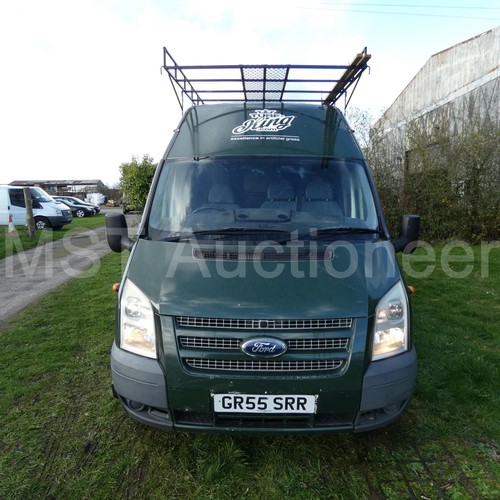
{"points": [[21, 241], [62, 435]]}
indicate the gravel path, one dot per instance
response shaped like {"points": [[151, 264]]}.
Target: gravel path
{"points": [[27, 276]]}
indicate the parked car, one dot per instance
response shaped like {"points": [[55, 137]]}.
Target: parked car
{"points": [[78, 201], [77, 209]]}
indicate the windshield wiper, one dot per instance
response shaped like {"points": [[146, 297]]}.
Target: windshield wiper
{"points": [[226, 231]]}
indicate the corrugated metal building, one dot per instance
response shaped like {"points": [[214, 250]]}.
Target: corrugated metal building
{"points": [[447, 86], [436, 150], [64, 186]]}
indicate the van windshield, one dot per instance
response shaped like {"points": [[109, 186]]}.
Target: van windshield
{"points": [[259, 195], [40, 195]]}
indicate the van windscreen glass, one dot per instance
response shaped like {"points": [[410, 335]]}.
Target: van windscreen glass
{"points": [[259, 194], [40, 195]]}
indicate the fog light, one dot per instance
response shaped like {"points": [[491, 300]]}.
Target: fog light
{"points": [[390, 409], [135, 405]]}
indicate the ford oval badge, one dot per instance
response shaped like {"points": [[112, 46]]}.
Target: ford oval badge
{"points": [[266, 347]]}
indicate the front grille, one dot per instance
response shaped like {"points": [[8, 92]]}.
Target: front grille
{"points": [[209, 343], [265, 421], [264, 324], [252, 421], [293, 344], [193, 418], [317, 344], [264, 365]]}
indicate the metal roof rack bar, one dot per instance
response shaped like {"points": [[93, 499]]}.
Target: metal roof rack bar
{"points": [[297, 91], [273, 83], [351, 76]]}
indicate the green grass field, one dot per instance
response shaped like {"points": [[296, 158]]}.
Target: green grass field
{"points": [[63, 436]]}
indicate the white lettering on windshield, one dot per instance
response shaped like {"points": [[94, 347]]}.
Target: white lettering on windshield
{"points": [[264, 120]]}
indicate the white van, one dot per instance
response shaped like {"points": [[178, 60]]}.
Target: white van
{"points": [[46, 211]]}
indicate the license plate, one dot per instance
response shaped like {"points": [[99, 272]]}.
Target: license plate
{"points": [[259, 403]]}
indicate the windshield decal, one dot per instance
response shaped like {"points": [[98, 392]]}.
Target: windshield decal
{"points": [[268, 121]]}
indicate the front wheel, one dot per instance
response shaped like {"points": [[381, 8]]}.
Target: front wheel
{"points": [[42, 223], [80, 213]]}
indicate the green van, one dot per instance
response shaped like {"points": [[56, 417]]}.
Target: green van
{"points": [[263, 293]]}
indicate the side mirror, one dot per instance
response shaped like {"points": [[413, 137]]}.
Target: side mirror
{"points": [[117, 233], [408, 234]]}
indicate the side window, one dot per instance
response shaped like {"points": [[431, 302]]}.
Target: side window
{"points": [[17, 197], [34, 200]]}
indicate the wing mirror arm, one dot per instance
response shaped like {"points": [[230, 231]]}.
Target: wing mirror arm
{"points": [[408, 234], [117, 233]]}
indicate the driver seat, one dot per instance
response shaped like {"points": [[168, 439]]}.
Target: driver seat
{"points": [[319, 199], [220, 197]]}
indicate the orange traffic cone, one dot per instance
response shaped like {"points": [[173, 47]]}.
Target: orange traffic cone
{"points": [[12, 228]]}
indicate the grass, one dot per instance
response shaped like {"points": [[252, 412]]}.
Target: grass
{"points": [[62, 435], [21, 241]]}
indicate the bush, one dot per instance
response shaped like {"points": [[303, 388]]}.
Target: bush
{"points": [[449, 175], [136, 179]]}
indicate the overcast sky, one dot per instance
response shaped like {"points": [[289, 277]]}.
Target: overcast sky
{"points": [[81, 89]]}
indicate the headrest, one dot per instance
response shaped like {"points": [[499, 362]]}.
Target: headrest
{"points": [[280, 190], [221, 194], [318, 190]]}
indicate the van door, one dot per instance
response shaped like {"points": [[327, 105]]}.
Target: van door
{"points": [[17, 206], [4, 206]]}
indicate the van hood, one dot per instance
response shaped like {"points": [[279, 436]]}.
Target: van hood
{"points": [[180, 280], [52, 205]]}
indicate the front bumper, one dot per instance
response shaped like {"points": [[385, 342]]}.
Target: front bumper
{"points": [[387, 387], [60, 220], [139, 384]]}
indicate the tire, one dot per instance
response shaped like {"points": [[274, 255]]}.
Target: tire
{"points": [[42, 223], [80, 213]]}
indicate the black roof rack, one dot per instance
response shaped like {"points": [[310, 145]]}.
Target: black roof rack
{"points": [[264, 83]]}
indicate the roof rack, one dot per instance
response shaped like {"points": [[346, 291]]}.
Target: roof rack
{"points": [[264, 83]]}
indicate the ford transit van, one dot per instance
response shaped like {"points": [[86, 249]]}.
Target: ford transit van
{"points": [[263, 293], [46, 212]]}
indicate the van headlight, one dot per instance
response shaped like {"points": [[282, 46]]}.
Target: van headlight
{"points": [[137, 325], [391, 324]]}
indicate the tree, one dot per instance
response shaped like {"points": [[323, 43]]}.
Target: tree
{"points": [[360, 121], [136, 178]]}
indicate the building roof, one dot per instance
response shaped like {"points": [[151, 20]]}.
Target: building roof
{"points": [[91, 182]]}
